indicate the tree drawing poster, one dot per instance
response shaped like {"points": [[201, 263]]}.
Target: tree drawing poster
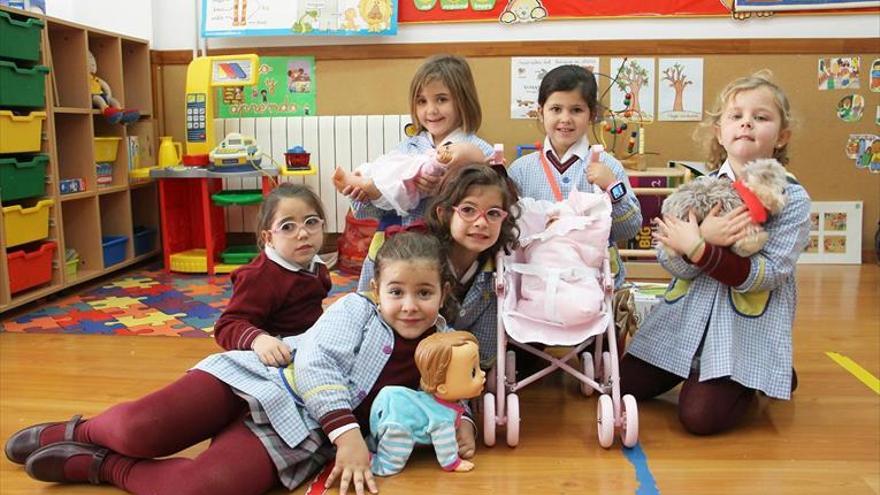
{"points": [[526, 74], [680, 89], [632, 88]]}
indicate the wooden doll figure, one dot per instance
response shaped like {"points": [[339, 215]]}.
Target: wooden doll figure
{"points": [[400, 418]]}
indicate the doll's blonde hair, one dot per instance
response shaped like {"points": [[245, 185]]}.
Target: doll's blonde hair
{"points": [[705, 132], [433, 355]]}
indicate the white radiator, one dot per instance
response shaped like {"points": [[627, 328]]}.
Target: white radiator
{"points": [[343, 140]]}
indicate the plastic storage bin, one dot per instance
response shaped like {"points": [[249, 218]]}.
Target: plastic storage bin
{"points": [[21, 133], [144, 240], [22, 87], [26, 224], [106, 148], [114, 249], [20, 37], [71, 267], [239, 255], [22, 177], [30, 267]]}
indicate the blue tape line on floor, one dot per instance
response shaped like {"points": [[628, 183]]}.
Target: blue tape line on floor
{"points": [[636, 456]]}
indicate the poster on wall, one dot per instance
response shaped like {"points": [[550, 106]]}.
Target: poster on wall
{"points": [[35, 6], [680, 91], [633, 77], [835, 233], [287, 87], [526, 74], [781, 5], [839, 72], [230, 18]]}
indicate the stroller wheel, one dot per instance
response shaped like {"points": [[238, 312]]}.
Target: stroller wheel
{"points": [[589, 370], [512, 420], [629, 428], [489, 420], [605, 416], [491, 379]]}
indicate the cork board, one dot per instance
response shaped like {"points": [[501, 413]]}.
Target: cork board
{"points": [[380, 86]]}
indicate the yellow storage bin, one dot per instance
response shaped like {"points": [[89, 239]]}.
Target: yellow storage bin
{"points": [[106, 148], [23, 225], [20, 133]]}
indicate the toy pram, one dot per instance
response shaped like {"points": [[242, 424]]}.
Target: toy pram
{"points": [[556, 289]]}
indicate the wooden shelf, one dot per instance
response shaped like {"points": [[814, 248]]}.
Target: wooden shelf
{"points": [[79, 220]]}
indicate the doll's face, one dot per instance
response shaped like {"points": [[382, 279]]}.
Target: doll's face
{"points": [[464, 378]]}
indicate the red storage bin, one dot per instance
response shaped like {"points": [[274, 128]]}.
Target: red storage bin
{"points": [[29, 268]]}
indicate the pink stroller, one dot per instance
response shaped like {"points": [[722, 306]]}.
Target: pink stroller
{"points": [[556, 289]]}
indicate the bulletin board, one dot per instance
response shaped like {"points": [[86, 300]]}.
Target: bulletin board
{"points": [[818, 147]]}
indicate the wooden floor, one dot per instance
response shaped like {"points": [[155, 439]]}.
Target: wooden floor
{"points": [[824, 441]]}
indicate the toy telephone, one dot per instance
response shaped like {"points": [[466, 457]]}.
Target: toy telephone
{"points": [[202, 75]]}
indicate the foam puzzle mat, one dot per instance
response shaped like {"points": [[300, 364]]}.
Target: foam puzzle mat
{"points": [[145, 302]]}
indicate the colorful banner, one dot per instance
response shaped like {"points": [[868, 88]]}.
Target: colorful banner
{"points": [[517, 11], [491, 10], [230, 18], [286, 87]]}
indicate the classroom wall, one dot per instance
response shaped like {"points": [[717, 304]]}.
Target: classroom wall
{"points": [[349, 87], [128, 17]]}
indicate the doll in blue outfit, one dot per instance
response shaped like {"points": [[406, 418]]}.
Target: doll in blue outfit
{"points": [[449, 364], [445, 109], [567, 105]]}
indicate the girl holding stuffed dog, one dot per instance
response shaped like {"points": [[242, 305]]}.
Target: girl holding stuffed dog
{"points": [[724, 327]]}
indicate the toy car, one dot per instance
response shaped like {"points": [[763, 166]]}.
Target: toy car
{"points": [[236, 150]]}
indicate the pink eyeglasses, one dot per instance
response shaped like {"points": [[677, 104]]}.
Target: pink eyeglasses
{"points": [[311, 225], [470, 213]]}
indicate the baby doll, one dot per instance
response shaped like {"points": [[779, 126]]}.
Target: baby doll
{"points": [[563, 246], [401, 417], [390, 181], [102, 97], [760, 188]]}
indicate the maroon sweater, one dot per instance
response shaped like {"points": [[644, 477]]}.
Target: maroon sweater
{"points": [[268, 298], [721, 264]]}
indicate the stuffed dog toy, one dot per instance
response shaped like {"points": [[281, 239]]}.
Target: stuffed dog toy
{"points": [[760, 188]]}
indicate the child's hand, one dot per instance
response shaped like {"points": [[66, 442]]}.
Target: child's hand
{"points": [[724, 230], [598, 173], [465, 435], [464, 154], [271, 350], [352, 464], [680, 236], [428, 184]]}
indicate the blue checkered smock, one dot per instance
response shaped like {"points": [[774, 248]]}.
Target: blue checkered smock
{"points": [[336, 363], [747, 328]]}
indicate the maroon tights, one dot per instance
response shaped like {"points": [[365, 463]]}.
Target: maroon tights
{"points": [[704, 408], [194, 408]]}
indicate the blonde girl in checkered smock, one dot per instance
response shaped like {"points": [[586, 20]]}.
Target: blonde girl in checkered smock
{"points": [[724, 326], [567, 106]]}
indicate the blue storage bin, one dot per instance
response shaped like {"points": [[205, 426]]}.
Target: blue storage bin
{"points": [[114, 249], [144, 240]]}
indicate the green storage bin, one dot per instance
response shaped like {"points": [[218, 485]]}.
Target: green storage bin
{"points": [[22, 177], [238, 197], [239, 255], [22, 87], [20, 39]]}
